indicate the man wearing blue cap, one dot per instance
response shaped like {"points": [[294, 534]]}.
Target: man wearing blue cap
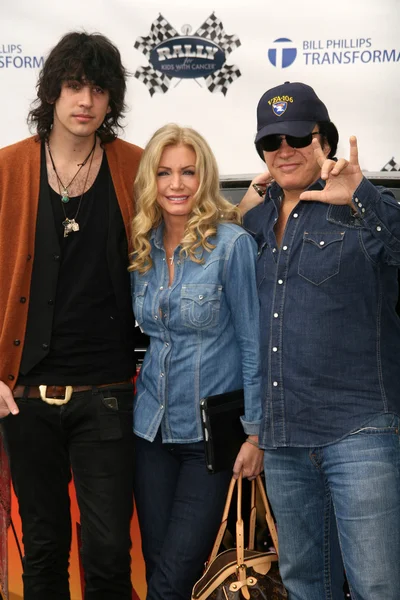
{"points": [[329, 253]]}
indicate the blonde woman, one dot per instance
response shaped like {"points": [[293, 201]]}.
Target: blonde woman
{"points": [[194, 294]]}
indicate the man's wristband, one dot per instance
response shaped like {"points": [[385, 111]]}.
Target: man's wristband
{"points": [[252, 442]]}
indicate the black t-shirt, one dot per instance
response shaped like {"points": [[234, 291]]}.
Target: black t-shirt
{"points": [[87, 343]]}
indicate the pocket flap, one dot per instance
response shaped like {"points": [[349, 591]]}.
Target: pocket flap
{"points": [[324, 238], [201, 293], [140, 288]]}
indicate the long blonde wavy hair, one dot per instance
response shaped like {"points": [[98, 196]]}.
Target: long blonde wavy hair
{"points": [[209, 209]]}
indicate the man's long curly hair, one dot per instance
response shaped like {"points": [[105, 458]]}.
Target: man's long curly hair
{"points": [[84, 57]]}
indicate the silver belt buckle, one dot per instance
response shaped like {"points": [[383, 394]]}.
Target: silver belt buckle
{"points": [[57, 401]]}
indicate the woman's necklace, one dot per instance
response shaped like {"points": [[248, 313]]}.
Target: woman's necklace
{"points": [[171, 258], [64, 188], [169, 250]]}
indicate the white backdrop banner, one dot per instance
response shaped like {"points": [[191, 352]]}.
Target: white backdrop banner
{"points": [[207, 64]]}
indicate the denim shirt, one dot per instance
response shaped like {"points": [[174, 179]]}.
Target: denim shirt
{"points": [[330, 335], [204, 332]]}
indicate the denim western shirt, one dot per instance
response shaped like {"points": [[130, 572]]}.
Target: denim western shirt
{"points": [[330, 335], [204, 336]]}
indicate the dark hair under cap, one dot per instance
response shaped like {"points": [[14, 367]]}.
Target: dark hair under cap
{"points": [[83, 57]]}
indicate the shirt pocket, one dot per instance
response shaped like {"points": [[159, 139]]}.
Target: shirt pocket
{"points": [[320, 255], [200, 305], [139, 294]]}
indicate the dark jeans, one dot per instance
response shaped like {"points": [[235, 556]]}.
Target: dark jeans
{"points": [[92, 434], [179, 507]]}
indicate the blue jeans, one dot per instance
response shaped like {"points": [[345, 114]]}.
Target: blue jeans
{"points": [[92, 435], [350, 491], [179, 507]]}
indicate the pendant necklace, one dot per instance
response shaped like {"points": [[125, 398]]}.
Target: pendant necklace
{"points": [[70, 225], [171, 258], [64, 188]]}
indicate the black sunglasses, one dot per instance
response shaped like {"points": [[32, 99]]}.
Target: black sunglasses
{"points": [[270, 143]]}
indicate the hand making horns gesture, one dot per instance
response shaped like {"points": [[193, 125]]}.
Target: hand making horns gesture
{"points": [[342, 177]]}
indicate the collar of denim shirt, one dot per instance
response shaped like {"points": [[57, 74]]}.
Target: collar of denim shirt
{"points": [[275, 192]]}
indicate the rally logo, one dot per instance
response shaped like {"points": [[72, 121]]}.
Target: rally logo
{"points": [[279, 108], [201, 56]]}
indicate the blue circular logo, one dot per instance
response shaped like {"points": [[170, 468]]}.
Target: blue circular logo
{"points": [[283, 53]]}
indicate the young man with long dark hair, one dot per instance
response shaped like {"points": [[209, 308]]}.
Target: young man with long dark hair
{"points": [[66, 323]]}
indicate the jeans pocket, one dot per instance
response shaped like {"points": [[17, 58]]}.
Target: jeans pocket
{"points": [[114, 406], [320, 255], [386, 423]]}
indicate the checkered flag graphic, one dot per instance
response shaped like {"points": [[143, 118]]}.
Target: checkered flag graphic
{"points": [[222, 79], [391, 165], [154, 81], [212, 29], [160, 31]]}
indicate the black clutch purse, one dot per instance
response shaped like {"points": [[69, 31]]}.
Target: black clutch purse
{"points": [[222, 430]]}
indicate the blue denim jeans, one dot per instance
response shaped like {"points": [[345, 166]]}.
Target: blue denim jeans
{"points": [[92, 435], [350, 491], [180, 508]]}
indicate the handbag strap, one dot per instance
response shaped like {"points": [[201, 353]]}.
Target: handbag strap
{"points": [[268, 515], [239, 522], [224, 522]]}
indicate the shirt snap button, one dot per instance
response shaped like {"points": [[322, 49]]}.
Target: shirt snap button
{"points": [[201, 297], [321, 243], [379, 228]]}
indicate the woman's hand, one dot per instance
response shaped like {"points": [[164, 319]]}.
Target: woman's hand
{"points": [[255, 193], [250, 459]]}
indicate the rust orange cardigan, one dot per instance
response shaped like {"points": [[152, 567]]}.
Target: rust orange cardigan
{"points": [[19, 194]]}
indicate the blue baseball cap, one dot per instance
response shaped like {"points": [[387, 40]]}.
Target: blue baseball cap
{"points": [[289, 109]]}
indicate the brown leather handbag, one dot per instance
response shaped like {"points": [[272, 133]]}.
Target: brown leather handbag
{"points": [[242, 573]]}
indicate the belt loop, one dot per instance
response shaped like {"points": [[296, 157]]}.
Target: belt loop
{"points": [[26, 391]]}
